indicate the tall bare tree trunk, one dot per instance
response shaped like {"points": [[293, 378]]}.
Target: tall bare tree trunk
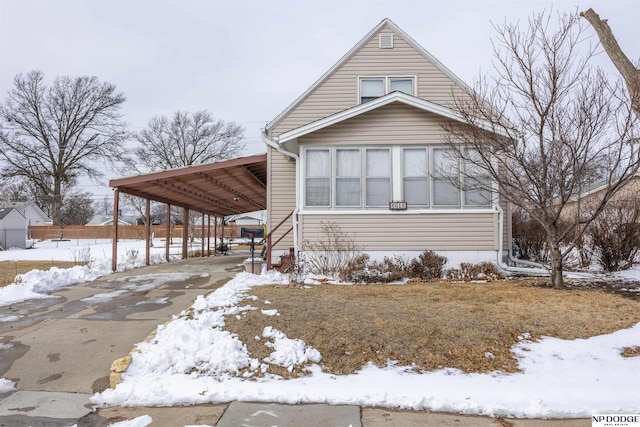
{"points": [[629, 72], [557, 280], [57, 202]]}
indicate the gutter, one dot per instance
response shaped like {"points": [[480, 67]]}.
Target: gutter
{"points": [[295, 157]]}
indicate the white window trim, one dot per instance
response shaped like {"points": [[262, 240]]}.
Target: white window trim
{"points": [[386, 84]]}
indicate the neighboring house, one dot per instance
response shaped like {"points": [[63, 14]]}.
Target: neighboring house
{"points": [[361, 148], [254, 219], [13, 229], [630, 191], [592, 196], [32, 212], [108, 220]]}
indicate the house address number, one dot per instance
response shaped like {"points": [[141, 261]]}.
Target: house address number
{"points": [[397, 206]]}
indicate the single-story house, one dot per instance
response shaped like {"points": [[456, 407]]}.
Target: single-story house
{"points": [[108, 220], [13, 229], [360, 149], [252, 219]]}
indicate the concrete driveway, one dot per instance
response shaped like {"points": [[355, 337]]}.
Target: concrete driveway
{"points": [[59, 352]]}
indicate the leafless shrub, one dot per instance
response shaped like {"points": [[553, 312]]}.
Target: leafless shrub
{"points": [[362, 270], [529, 235], [427, 266], [332, 252], [615, 235], [481, 271]]}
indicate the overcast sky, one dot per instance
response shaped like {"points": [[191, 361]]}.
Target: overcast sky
{"points": [[246, 61]]}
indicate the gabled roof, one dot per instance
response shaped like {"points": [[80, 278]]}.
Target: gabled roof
{"points": [[22, 207], [4, 212], [385, 22], [401, 97]]}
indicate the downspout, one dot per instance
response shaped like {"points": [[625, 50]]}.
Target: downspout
{"points": [[540, 269], [295, 157], [535, 268]]}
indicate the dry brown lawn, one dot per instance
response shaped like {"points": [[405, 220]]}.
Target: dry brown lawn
{"points": [[469, 326], [9, 269]]}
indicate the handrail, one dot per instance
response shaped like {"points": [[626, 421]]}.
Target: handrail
{"points": [[283, 236], [268, 238]]}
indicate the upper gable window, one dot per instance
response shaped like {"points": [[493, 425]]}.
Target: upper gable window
{"points": [[371, 89], [375, 87]]}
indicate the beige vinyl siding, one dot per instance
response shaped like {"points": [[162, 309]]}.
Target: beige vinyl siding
{"points": [[339, 91], [281, 196], [395, 124], [408, 232]]}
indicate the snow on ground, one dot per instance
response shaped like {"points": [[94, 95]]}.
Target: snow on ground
{"points": [[193, 359], [97, 253], [6, 385]]}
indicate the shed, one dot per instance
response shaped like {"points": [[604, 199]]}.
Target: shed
{"points": [[13, 229]]}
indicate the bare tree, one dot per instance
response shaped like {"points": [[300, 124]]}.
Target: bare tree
{"points": [[77, 209], [13, 190], [630, 73], [138, 206], [546, 128], [104, 206], [50, 135], [186, 140]]}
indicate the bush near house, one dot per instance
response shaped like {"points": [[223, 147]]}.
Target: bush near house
{"points": [[615, 235]]}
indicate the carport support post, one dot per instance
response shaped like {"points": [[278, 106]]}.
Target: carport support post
{"points": [[114, 241], [147, 232], [222, 233], [167, 233], [215, 235], [185, 232], [208, 235], [202, 233]]}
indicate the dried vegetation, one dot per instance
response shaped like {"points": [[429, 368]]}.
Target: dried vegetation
{"points": [[469, 326]]}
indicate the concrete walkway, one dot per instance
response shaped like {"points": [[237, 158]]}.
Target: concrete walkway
{"points": [[59, 352]]}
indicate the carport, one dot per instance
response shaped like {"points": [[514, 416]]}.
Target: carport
{"points": [[215, 189]]}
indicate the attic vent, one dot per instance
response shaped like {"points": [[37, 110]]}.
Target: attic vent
{"points": [[386, 41]]}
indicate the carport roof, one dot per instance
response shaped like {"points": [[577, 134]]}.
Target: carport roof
{"points": [[222, 188]]}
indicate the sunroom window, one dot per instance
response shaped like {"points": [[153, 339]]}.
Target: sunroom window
{"points": [[348, 177], [415, 176], [318, 178], [477, 183], [445, 177], [378, 177]]}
